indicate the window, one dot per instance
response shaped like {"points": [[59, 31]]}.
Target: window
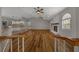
{"points": [[66, 21], [4, 24], [29, 23], [56, 28]]}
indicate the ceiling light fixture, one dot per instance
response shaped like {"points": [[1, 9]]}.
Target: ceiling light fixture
{"points": [[39, 10]]}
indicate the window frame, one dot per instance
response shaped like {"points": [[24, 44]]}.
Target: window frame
{"points": [[66, 25]]}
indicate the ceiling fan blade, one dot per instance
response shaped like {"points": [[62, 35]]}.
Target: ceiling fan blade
{"points": [[42, 12], [35, 8], [41, 9], [38, 7]]}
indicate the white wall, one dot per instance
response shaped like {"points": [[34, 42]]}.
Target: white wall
{"points": [[38, 23], [0, 21], [54, 20], [77, 22], [68, 32]]}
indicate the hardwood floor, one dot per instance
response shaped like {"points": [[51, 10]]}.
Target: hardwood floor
{"points": [[36, 41]]}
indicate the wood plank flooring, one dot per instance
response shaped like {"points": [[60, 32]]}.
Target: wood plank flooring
{"points": [[36, 41]]}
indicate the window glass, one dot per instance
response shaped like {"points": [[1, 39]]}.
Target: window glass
{"points": [[66, 21]]}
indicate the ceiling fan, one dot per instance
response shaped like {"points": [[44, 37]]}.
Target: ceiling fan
{"points": [[39, 10]]}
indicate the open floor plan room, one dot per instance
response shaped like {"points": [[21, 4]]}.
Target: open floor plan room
{"points": [[39, 29]]}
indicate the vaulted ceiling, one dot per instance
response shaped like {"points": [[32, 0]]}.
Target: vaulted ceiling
{"points": [[29, 12]]}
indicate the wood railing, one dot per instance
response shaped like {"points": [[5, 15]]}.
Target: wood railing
{"points": [[63, 44], [9, 43], [60, 43]]}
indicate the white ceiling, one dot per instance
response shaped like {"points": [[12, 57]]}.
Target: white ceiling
{"points": [[29, 12]]}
